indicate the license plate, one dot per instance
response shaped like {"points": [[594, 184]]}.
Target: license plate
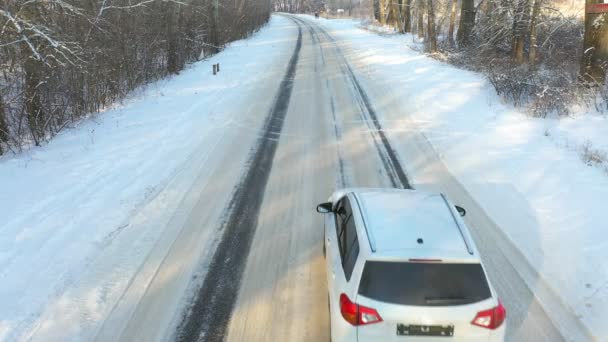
{"points": [[425, 330]]}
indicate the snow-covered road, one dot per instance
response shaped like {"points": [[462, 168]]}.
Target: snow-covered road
{"points": [[192, 217], [329, 137]]}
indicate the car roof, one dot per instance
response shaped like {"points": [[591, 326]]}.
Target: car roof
{"points": [[395, 220]]}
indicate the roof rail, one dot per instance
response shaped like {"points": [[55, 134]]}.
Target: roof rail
{"points": [[370, 236], [464, 237]]}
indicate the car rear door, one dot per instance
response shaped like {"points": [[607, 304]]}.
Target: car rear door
{"points": [[424, 302], [342, 248]]}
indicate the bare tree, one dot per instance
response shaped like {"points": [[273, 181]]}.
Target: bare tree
{"points": [[63, 59], [529, 49], [383, 12], [452, 25], [521, 24], [420, 21], [534, 31], [432, 30], [4, 134], [407, 16], [595, 45], [467, 22], [395, 15]]}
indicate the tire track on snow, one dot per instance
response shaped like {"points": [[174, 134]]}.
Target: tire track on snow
{"points": [[208, 317]]}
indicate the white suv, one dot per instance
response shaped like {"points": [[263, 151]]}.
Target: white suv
{"points": [[402, 266]]}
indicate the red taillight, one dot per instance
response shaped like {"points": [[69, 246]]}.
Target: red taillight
{"points": [[349, 310], [357, 314], [491, 319]]}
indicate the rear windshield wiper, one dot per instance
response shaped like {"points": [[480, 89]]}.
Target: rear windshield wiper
{"points": [[444, 300]]}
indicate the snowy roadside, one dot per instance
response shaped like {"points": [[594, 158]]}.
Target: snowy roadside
{"points": [[81, 215], [528, 174]]}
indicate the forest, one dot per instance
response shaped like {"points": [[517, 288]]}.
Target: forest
{"points": [[61, 60], [545, 55]]}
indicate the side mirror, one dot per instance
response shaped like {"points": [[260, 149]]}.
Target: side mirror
{"points": [[325, 208], [461, 211]]}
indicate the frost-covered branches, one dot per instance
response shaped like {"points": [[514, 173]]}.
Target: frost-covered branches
{"points": [[62, 59], [38, 38]]}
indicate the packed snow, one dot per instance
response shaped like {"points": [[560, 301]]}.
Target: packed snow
{"points": [[81, 214], [532, 176]]}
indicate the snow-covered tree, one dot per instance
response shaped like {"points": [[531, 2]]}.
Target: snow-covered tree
{"points": [[62, 59]]}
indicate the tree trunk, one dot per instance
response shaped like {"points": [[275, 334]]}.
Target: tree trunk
{"points": [[533, 33], [595, 46], [171, 15], [400, 8], [452, 22], [33, 105], [432, 41], [420, 11], [407, 16], [376, 9], [467, 22], [518, 49], [215, 30], [3, 127], [520, 28], [382, 12], [390, 15], [395, 20]]}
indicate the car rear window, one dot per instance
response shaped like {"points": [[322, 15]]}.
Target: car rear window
{"points": [[424, 284]]}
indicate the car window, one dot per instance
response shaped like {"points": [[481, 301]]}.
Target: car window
{"points": [[351, 259], [424, 284], [338, 216], [351, 246], [350, 233], [341, 237], [343, 210], [343, 213]]}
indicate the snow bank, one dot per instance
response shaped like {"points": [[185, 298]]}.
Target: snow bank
{"points": [[80, 215], [528, 174]]}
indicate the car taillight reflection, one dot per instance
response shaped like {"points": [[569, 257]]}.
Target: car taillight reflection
{"points": [[356, 314]]}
